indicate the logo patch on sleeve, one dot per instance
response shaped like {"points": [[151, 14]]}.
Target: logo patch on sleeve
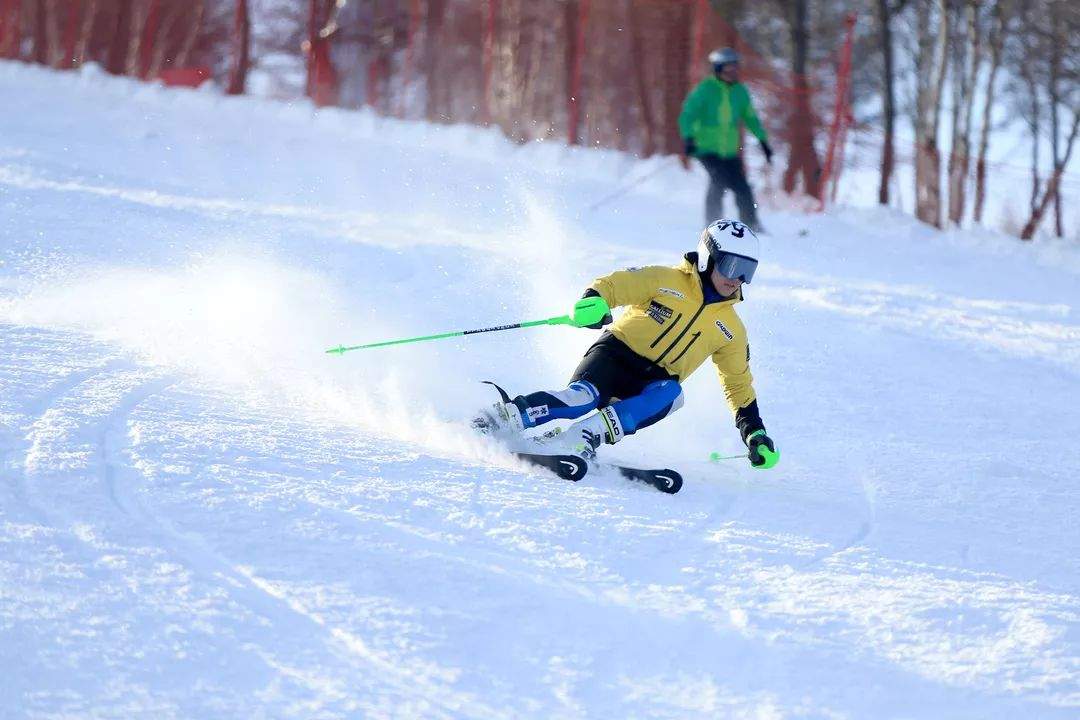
{"points": [[676, 293], [538, 412], [659, 313], [723, 329]]}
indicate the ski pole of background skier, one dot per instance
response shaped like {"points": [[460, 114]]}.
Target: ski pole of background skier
{"points": [[626, 188]]}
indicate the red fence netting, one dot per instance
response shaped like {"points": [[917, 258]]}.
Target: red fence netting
{"points": [[601, 73]]}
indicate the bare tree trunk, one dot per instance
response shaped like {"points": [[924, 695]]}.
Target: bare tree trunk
{"points": [[930, 67], [574, 79], [136, 28], [676, 71], [40, 51], [964, 73], [640, 85], [572, 59], [997, 41], [548, 106], [1034, 119], [68, 20], [1035, 126], [86, 32], [505, 92], [173, 13], [195, 23], [10, 29], [888, 150], [322, 80], [119, 30], [241, 43], [1052, 185], [528, 70], [54, 18], [803, 159], [436, 14], [1054, 89]]}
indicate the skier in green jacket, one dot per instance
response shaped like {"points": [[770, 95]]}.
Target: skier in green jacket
{"points": [[710, 124]]}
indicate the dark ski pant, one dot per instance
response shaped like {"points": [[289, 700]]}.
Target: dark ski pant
{"points": [[725, 173], [610, 374]]}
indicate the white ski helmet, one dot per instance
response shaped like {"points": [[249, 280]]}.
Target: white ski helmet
{"points": [[731, 247], [724, 56]]}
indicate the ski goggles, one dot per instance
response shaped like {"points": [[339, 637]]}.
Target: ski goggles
{"points": [[734, 267]]}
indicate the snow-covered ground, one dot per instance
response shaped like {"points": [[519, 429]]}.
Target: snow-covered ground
{"points": [[202, 515]]}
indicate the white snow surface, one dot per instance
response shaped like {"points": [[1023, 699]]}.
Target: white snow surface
{"points": [[203, 515]]}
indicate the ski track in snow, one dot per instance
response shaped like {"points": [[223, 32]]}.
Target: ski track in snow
{"points": [[1025, 330], [199, 521]]}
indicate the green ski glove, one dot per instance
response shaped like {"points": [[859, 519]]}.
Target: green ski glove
{"points": [[763, 453], [591, 311]]}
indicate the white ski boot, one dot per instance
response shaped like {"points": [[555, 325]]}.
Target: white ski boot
{"points": [[586, 435], [504, 418]]}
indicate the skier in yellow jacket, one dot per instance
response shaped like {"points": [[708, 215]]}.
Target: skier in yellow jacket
{"points": [[677, 318]]}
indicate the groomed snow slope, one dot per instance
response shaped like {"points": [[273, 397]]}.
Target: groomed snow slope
{"points": [[204, 516]]}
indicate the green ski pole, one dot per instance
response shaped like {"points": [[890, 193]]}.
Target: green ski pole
{"points": [[587, 312], [717, 457]]}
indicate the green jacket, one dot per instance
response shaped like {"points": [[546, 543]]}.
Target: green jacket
{"points": [[712, 113]]}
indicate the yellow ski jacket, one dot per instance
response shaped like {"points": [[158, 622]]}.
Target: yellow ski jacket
{"points": [[669, 323]]}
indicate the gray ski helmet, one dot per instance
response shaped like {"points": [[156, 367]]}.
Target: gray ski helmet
{"points": [[731, 247], [724, 56]]}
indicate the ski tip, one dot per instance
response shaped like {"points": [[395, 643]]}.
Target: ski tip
{"points": [[568, 467], [573, 471], [668, 481]]}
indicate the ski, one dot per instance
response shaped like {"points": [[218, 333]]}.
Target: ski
{"points": [[665, 480], [574, 467], [568, 467]]}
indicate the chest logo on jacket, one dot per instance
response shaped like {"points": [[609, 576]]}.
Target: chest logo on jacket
{"points": [[659, 313], [676, 293]]}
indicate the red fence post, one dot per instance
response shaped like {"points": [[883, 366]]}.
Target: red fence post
{"points": [[841, 148], [841, 111], [573, 100], [374, 73]]}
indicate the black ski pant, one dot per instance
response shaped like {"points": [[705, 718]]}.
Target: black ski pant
{"points": [[725, 173]]}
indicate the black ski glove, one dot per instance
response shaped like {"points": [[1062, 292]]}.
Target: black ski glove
{"points": [[763, 453], [767, 150], [689, 147], [606, 320]]}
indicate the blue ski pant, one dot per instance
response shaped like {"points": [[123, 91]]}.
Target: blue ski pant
{"points": [[610, 374]]}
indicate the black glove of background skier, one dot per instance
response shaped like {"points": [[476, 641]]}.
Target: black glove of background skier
{"points": [[606, 320], [767, 150]]}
